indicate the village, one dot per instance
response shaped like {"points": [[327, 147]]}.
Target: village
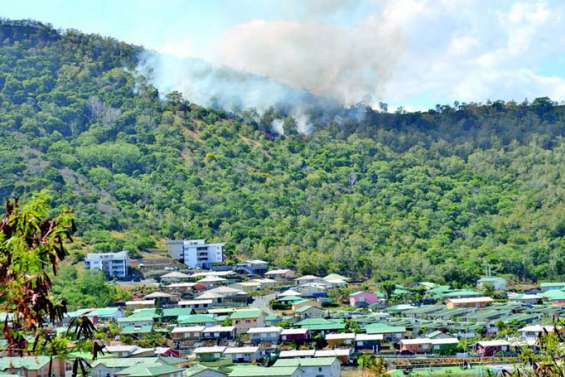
{"points": [[252, 319]]}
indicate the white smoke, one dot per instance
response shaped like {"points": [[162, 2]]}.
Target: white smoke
{"points": [[350, 65], [277, 126]]}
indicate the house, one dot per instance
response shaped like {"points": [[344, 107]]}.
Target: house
{"points": [[281, 274], [174, 277], [314, 290], [269, 335], [389, 332], [289, 293], [525, 298], [219, 333], [534, 332], [256, 371], [209, 353], [142, 370], [368, 342], [225, 296], [196, 305], [342, 354], [31, 366], [105, 315], [549, 286], [243, 354], [307, 279], [336, 340], [121, 350], [248, 286], [140, 304], [468, 302], [200, 370], [418, 345], [555, 297], [265, 283], [295, 335], [197, 320], [296, 354], [182, 333], [211, 281], [253, 267], [196, 253], [136, 331], [245, 319], [313, 367], [322, 325], [141, 319], [111, 367], [161, 298], [498, 283], [307, 311], [362, 299], [114, 265], [491, 347]]}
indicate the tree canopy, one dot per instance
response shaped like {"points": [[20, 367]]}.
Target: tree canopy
{"points": [[433, 195]]}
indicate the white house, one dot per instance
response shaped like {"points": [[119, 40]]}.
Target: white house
{"points": [[112, 264], [196, 253], [313, 367], [265, 334]]}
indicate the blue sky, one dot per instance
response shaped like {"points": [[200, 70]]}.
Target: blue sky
{"points": [[413, 53]]}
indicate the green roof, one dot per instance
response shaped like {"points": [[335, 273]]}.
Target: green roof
{"points": [[175, 312], [255, 371], [246, 313], [321, 324], [383, 328], [290, 298], [103, 312], [133, 318], [306, 362], [461, 293], [132, 330], [196, 319], [198, 368], [143, 370], [26, 362], [126, 362], [554, 295]]}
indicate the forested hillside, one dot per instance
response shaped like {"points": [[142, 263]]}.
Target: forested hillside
{"points": [[432, 196]]}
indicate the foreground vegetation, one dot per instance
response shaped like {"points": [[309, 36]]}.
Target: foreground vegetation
{"points": [[406, 197]]}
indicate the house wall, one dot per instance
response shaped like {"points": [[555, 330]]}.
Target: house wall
{"points": [[326, 371]]}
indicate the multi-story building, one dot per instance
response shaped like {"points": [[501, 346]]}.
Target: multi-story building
{"points": [[196, 253], [112, 264]]}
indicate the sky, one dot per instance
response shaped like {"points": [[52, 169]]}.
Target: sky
{"points": [[410, 53]]}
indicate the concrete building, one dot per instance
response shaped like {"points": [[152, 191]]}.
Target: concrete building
{"points": [[114, 265], [196, 253]]}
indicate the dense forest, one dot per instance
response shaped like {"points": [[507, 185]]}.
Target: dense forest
{"points": [[434, 195]]}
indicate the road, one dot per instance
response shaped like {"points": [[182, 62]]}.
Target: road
{"points": [[262, 302]]}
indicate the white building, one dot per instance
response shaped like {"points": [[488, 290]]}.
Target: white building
{"points": [[196, 253], [112, 264]]}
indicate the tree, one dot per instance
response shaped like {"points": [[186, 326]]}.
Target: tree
{"points": [[372, 366], [32, 245], [388, 287]]}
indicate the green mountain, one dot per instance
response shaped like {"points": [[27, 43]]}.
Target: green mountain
{"points": [[436, 195]]}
